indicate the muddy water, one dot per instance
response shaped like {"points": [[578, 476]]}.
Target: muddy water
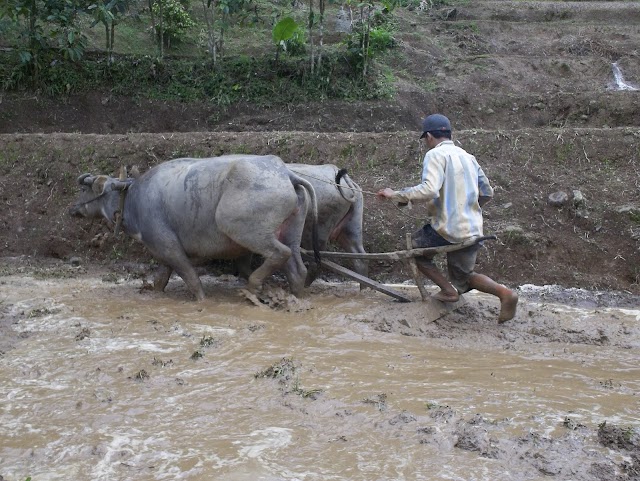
{"points": [[108, 383]]}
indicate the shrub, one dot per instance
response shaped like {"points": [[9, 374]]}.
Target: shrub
{"points": [[176, 19], [297, 44]]}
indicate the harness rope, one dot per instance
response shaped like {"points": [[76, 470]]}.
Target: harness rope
{"points": [[334, 183], [357, 190], [89, 201]]}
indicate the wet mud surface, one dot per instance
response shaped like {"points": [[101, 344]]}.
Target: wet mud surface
{"points": [[103, 380]]}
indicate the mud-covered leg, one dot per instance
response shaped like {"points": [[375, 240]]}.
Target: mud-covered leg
{"points": [[291, 236], [359, 265], [348, 235], [296, 272], [243, 266], [272, 261], [313, 268], [161, 278], [169, 252], [191, 278], [350, 243]]}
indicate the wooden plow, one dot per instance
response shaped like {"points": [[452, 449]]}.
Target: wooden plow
{"points": [[407, 256]]}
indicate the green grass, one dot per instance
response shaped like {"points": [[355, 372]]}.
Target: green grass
{"points": [[246, 71], [241, 78]]}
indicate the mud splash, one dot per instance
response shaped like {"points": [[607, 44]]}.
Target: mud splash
{"points": [[108, 383]]}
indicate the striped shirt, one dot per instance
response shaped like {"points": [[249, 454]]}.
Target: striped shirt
{"points": [[452, 181]]}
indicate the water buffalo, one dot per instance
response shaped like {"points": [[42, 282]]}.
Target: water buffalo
{"points": [[189, 211], [340, 212]]}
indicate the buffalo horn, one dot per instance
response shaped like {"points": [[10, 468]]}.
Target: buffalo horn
{"points": [[85, 179], [120, 185]]}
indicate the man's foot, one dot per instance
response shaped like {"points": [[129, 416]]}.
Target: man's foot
{"points": [[443, 296], [508, 305]]}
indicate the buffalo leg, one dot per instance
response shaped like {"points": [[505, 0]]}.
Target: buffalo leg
{"points": [[171, 254], [296, 271], [161, 278], [272, 261], [291, 236], [313, 269], [243, 266], [191, 278], [274, 252], [349, 241]]}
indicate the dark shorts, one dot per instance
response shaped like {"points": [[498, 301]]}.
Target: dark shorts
{"points": [[460, 263]]}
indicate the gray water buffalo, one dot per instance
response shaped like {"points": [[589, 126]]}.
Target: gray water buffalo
{"points": [[340, 212], [191, 211]]}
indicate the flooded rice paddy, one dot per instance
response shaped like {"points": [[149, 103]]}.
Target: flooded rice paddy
{"points": [[102, 381]]}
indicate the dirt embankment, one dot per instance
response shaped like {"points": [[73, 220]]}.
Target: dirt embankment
{"points": [[486, 64], [591, 241]]}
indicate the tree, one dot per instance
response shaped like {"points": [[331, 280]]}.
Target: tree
{"points": [[218, 15], [48, 28], [370, 34], [107, 13], [175, 20]]}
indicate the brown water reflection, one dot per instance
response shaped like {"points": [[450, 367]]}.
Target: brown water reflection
{"points": [[105, 383]]}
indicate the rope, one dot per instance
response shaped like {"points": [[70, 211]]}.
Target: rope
{"points": [[89, 201], [334, 183], [421, 219]]}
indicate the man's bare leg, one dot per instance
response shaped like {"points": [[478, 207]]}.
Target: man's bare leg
{"points": [[447, 293], [508, 298]]}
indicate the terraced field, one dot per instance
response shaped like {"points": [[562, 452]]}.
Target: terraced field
{"points": [[102, 379]]}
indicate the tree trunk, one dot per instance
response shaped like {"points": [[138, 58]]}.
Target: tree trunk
{"points": [[113, 33], [34, 47], [161, 29], [311, 22], [153, 21], [321, 41], [365, 42], [209, 17]]}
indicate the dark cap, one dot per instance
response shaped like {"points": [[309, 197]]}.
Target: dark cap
{"points": [[435, 123]]}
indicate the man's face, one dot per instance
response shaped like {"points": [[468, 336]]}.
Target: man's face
{"points": [[429, 140]]}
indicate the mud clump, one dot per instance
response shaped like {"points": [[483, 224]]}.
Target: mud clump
{"points": [[616, 437], [283, 370]]}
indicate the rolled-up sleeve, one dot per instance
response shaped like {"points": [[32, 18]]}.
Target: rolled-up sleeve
{"points": [[429, 188]]}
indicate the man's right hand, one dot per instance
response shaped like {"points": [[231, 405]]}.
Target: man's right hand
{"points": [[386, 193]]}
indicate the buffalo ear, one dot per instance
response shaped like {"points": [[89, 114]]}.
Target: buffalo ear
{"points": [[98, 184], [135, 172]]}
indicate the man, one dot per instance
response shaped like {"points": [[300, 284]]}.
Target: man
{"points": [[456, 188]]}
